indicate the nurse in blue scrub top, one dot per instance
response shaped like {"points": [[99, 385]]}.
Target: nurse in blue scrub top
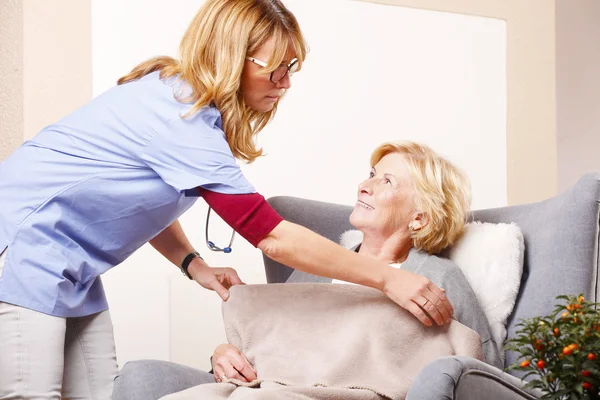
{"points": [[89, 190]]}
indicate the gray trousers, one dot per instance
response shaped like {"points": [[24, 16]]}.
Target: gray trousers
{"points": [[151, 380], [48, 357]]}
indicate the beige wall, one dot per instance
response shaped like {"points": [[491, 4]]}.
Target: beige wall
{"points": [[577, 88], [46, 65], [11, 76], [57, 60], [55, 68], [531, 119]]}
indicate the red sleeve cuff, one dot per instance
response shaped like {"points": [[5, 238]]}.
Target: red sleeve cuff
{"points": [[248, 214]]}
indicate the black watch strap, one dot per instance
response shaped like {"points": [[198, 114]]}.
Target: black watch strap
{"points": [[186, 263]]}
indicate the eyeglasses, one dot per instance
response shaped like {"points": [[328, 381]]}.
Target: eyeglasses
{"points": [[280, 72]]}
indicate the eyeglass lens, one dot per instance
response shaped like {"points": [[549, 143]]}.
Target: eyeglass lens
{"points": [[281, 71]]}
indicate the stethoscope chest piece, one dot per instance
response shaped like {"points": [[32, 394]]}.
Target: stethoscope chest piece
{"points": [[211, 244]]}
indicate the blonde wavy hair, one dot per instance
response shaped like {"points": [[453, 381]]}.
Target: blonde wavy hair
{"points": [[211, 58], [443, 194]]}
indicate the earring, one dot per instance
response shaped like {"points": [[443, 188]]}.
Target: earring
{"points": [[411, 226]]}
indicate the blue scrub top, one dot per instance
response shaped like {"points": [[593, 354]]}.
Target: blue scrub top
{"points": [[88, 191]]}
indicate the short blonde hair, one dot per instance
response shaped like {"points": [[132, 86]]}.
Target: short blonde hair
{"points": [[211, 59], [443, 194]]}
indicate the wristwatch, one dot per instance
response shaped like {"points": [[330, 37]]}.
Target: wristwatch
{"points": [[186, 262]]}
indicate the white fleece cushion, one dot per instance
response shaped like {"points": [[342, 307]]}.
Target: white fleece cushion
{"points": [[491, 257]]}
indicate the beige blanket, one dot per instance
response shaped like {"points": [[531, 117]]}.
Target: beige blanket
{"points": [[324, 341]]}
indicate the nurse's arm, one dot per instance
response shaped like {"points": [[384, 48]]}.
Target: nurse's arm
{"points": [[300, 248], [291, 244], [174, 245]]}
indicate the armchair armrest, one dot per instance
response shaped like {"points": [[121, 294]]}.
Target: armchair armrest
{"points": [[464, 378]]}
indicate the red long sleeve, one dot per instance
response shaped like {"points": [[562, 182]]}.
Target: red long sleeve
{"points": [[248, 214]]}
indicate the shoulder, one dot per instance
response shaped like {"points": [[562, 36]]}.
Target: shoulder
{"points": [[208, 116], [169, 99], [433, 266], [440, 262], [200, 130], [446, 274]]}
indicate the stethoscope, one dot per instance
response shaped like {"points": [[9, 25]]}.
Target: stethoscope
{"points": [[210, 244]]}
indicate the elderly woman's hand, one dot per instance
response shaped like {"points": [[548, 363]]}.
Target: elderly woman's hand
{"points": [[419, 296], [229, 362]]}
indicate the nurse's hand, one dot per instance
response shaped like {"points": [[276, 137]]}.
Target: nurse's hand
{"points": [[421, 297], [217, 279]]}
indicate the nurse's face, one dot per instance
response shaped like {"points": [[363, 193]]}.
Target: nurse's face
{"points": [[256, 87]]}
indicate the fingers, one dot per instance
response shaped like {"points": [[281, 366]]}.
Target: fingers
{"points": [[415, 310], [225, 278], [421, 297], [232, 373], [222, 373], [219, 288], [243, 366], [219, 373], [430, 309], [233, 277], [217, 279], [228, 362], [441, 302]]}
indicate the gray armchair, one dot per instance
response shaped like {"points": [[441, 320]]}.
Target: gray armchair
{"points": [[561, 240], [561, 257]]}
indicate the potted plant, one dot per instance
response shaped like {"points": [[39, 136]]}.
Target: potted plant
{"points": [[560, 353]]}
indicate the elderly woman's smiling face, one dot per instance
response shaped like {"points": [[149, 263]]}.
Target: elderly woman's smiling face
{"points": [[385, 203]]}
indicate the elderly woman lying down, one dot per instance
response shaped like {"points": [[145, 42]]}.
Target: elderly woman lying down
{"points": [[413, 205]]}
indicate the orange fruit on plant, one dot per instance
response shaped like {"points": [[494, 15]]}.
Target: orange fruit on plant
{"points": [[556, 332]]}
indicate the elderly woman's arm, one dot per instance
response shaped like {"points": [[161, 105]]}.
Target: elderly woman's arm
{"points": [[468, 310]]}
